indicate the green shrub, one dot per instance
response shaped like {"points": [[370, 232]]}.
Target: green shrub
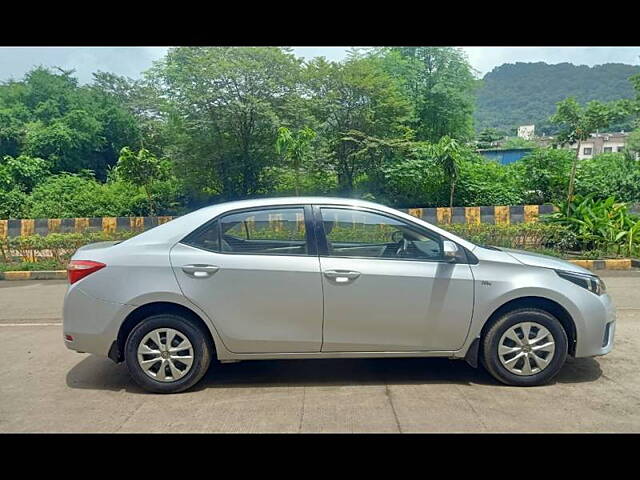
{"points": [[486, 182], [609, 175], [520, 235], [56, 246], [14, 204], [543, 175], [605, 225], [71, 195]]}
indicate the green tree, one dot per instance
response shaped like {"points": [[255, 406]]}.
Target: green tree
{"points": [[609, 175], [449, 154], [577, 123], [488, 137], [142, 169], [633, 142], [22, 172], [352, 101], [440, 84], [225, 105], [543, 175], [48, 115], [295, 148]]}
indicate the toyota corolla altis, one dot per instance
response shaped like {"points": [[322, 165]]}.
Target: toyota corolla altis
{"points": [[305, 278]]}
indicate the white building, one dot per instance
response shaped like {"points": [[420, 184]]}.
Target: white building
{"points": [[601, 143], [527, 131]]}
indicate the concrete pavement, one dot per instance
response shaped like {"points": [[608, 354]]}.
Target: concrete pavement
{"points": [[46, 388]]}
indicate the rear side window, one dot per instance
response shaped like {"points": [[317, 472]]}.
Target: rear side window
{"points": [[208, 238], [276, 231]]}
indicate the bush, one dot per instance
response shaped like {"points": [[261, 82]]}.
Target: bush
{"points": [[605, 225], [71, 195], [486, 182], [609, 175], [543, 175], [537, 236], [55, 247], [14, 204]]}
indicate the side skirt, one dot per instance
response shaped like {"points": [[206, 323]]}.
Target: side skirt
{"points": [[319, 355]]}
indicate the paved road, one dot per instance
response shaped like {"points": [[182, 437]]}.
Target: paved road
{"points": [[46, 388]]}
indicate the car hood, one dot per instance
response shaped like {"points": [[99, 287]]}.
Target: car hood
{"points": [[544, 261]]}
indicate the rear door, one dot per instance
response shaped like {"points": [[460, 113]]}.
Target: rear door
{"points": [[387, 286], [256, 273]]}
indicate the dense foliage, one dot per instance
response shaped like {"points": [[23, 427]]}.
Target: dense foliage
{"points": [[205, 125], [527, 93]]}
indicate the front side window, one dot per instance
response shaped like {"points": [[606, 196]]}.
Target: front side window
{"points": [[587, 151], [353, 233], [277, 231], [607, 149]]}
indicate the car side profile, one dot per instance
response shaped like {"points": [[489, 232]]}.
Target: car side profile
{"points": [[315, 277]]}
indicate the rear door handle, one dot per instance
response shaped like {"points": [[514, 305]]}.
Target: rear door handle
{"points": [[200, 270], [342, 276]]}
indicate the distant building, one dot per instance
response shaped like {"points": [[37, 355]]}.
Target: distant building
{"points": [[527, 132], [596, 144]]}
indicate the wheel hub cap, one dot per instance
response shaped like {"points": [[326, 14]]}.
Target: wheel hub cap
{"points": [[526, 348], [165, 354]]}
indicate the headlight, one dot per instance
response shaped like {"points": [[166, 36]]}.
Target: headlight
{"points": [[593, 283]]}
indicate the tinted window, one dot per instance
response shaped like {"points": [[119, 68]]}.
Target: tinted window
{"points": [[278, 231], [207, 238], [352, 233]]}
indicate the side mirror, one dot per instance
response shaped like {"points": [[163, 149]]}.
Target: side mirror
{"points": [[449, 250]]}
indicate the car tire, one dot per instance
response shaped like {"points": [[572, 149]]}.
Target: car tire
{"points": [[196, 354], [499, 350]]}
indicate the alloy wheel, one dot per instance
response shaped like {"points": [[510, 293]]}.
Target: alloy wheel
{"points": [[526, 348], [165, 354]]}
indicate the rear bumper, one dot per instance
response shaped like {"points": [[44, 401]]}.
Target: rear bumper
{"points": [[91, 323]]}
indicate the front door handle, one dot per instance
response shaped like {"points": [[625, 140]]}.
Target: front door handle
{"points": [[342, 276], [200, 270]]}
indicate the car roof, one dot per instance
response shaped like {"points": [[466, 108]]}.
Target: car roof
{"points": [[268, 201]]}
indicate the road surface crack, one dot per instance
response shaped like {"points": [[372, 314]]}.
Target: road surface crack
{"points": [[387, 392]]}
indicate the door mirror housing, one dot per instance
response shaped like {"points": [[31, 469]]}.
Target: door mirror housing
{"points": [[449, 251]]}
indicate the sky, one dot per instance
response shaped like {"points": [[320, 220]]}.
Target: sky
{"points": [[131, 61]]}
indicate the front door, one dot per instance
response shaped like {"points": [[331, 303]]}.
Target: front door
{"points": [[256, 274], [387, 286]]}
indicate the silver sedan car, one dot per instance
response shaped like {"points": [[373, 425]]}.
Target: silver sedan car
{"points": [[305, 278]]}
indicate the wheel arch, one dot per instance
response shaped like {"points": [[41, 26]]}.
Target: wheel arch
{"points": [[542, 303], [154, 308]]}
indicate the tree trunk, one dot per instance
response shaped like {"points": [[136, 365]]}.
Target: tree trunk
{"points": [[152, 206], [572, 177], [453, 187]]}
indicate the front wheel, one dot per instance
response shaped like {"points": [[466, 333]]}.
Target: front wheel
{"points": [[525, 347], [167, 354]]}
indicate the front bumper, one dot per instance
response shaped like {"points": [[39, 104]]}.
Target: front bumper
{"points": [[595, 336]]}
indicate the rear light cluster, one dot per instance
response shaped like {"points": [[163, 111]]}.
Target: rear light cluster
{"points": [[78, 269]]}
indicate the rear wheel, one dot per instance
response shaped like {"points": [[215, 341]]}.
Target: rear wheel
{"points": [[525, 347], [167, 354]]}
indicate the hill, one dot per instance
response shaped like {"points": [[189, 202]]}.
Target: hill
{"points": [[527, 93]]}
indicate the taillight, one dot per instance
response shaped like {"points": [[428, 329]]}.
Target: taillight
{"points": [[78, 269]]}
